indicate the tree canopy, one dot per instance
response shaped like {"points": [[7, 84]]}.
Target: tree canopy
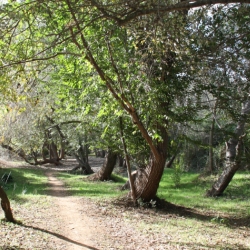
{"points": [[159, 65]]}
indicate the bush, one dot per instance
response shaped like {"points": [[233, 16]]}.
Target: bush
{"points": [[178, 170]]}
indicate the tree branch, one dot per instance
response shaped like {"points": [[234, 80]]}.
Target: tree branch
{"points": [[142, 10], [109, 83]]}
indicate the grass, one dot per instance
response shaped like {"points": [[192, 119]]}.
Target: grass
{"points": [[189, 193], [80, 186], [31, 206], [28, 183], [191, 190], [28, 192], [25, 183]]}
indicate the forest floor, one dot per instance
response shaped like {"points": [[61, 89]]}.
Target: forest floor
{"points": [[61, 221]]}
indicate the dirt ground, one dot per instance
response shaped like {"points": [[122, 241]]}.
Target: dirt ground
{"points": [[60, 221]]}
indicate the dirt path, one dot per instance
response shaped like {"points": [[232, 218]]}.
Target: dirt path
{"points": [[59, 221], [78, 228]]}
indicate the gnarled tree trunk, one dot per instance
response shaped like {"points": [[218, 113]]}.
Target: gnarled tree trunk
{"points": [[147, 179], [5, 204], [232, 165], [82, 158], [107, 168], [233, 155]]}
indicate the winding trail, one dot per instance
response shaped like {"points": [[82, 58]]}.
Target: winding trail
{"points": [[78, 229]]}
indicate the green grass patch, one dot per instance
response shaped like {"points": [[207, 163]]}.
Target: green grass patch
{"points": [[24, 183], [190, 193], [80, 186]]}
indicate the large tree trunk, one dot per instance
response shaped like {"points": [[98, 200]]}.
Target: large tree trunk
{"points": [[5, 204], [53, 152], [233, 155], [107, 168], [232, 165], [147, 179]]}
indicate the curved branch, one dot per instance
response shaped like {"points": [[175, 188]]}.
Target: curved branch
{"points": [[126, 105], [156, 9]]}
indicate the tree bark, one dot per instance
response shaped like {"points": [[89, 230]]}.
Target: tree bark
{"points": [[147, 179], [211, 149], [232, 165], [107, 168], [131, 180], [120, 160], [5, 204], [82, 158], [233, 155], [171, 161]]}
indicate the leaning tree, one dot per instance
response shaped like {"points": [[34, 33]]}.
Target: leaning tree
{"points": [[145, 67]]}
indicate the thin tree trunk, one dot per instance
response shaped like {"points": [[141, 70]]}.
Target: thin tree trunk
{"points": [[62, 150], [82, 158], [171, 161], [233, 155], [131, 180], [120, 159], [5, 204], [211, 149], [53, 152]]}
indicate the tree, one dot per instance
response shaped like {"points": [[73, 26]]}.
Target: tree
{"points": [[234, 150], [233, 61], [107, 168], [5, 204], [149, 71]]}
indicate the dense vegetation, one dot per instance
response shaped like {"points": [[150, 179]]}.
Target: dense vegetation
{"points": [[173, 80]]}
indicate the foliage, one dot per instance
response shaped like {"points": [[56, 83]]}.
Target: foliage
{"points": [[95, 68], [178, 169]]}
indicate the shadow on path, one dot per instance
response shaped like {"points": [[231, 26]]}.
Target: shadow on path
{"points": [[59, 236]]}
